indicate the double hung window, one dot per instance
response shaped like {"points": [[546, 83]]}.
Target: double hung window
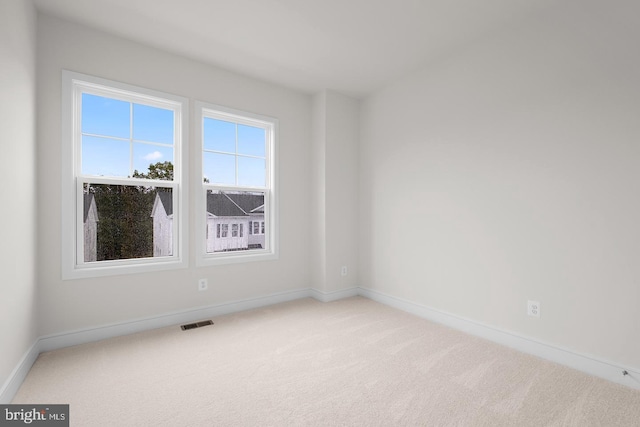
{"points": [[237, 158], [123, 197]]}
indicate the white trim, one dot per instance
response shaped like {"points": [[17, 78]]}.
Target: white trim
{"points": [[73, 266], [82, 336], [581, 362], [271, 217], [329, 296], [590, 365], [19, 373]]}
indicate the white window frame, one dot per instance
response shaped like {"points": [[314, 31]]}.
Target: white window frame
{"points": [[270, 124], [73, 265]]}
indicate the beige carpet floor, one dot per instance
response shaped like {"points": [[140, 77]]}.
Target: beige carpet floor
{"points": [[306, 363]]}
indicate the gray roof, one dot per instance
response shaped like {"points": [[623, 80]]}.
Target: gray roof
{"points": [[233, 204], [221, 203], [248, 202], [88, 198], [166, 197]]}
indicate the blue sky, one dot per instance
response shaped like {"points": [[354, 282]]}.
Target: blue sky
{"points": [[107, 132], [110, 142], [219, 157]]}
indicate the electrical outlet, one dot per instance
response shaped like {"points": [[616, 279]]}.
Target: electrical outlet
{"points": [[203, 285], [533, 308], [344, 271]]}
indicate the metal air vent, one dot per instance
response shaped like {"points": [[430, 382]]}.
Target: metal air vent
{"points": [[196, 325]]}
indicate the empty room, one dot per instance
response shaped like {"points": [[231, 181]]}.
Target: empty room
{"points": [[288, 212]]}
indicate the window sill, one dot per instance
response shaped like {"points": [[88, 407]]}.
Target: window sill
{"points": [[235, 257], [117, 268]]}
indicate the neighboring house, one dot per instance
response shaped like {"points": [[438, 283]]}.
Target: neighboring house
{"points": [[90, 222], [235, 221], [162, 214]]}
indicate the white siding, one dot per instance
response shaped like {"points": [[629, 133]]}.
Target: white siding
{"points": [[257, 239], [230, 242], [91, 234], [162, 232]]}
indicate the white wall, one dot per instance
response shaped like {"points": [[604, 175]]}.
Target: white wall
{"points": [[335, 183], [510, 171], [318, 199], [17, 135], [342, 215], [78, 304]]}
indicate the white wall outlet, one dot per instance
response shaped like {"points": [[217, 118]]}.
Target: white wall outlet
{"points": [[203, 285], [533, 308], [344, 271]]}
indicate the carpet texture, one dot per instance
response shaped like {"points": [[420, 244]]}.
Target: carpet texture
{"points": [[352, 362]]}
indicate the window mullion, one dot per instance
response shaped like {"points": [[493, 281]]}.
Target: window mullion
{"points": [[134, 182], [236, 154]]}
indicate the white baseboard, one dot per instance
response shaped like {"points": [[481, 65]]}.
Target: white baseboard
{"points": [[13, 383], [587, 364], [67, 339], [333, 295], [83, 336]]}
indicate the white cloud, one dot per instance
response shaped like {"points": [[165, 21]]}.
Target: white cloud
{"points": [[153, 156]]}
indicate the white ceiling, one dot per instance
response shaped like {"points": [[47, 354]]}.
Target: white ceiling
{"points": [[352, 46]]}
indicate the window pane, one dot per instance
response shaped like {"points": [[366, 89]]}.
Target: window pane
{"points": [[233, 211], [251, 172], [152, 124], [219, 168], [145, 155], [251, 141], [105, 116], [127, 222], [105, 157], [219, 135]]}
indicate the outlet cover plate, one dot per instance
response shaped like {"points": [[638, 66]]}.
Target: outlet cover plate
{"points": [[533, 308]]}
